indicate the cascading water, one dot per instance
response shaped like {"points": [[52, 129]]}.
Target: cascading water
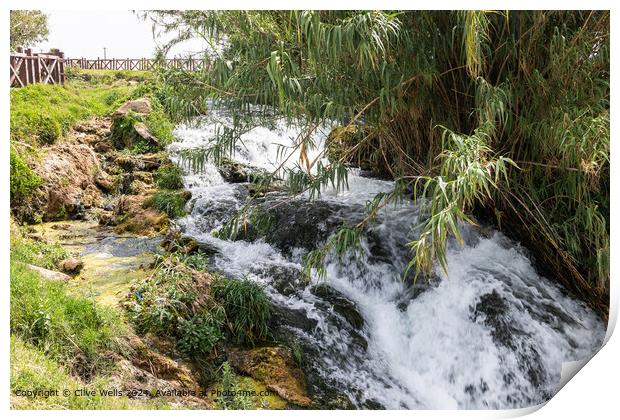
{"points": [[489, 333]]}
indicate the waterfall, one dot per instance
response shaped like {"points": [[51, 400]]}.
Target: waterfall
{"points": [[488, 333]]}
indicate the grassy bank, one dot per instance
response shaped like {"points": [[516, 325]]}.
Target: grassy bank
{"points": [[60, 340], [42, 114]]}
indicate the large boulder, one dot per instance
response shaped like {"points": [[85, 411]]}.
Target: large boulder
{"points": [[275, 368], [128, 127], [71, 176], [137, 106]]}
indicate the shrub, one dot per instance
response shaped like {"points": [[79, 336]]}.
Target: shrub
{"points": [[247, 308], [169, 177], [199, 334], [23, 179], [170, 202]]}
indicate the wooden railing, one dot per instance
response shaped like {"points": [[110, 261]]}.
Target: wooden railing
{"points": [[28, 67], [190, 64]]}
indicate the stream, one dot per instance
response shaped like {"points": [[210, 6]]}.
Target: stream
{"points": [[489, 333]]}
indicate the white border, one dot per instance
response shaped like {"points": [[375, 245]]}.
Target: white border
{"points": [[593, 393]]}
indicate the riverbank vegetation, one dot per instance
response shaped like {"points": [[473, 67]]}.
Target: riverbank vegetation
{"points": [[496, 114]]}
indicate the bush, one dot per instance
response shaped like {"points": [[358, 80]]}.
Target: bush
{"points": [[23, 179], [162, 300], [170, 202], [247, 308], [169, 177], [199, 334]]}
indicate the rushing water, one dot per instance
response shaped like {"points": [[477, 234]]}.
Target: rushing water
{"points": [[489, 333]]}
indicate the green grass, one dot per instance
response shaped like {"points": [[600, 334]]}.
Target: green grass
{"points": [[32, 370], [42, 254], [23, 180], [247, 308], [41, 114], [71, 330], [169, 177], [170, 202]]}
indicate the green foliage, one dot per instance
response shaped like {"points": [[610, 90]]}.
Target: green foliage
{"points": [[247, 308], [71, 330], [197, 260], [199, 334], [198, 315], [28, 28], [108, 77], [23, 179], [346, 238], [529, 87], [160, 125], [169, 177], [170, 202], [161, 301]]}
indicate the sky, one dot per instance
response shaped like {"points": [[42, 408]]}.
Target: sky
{"points": [[85, 34]]}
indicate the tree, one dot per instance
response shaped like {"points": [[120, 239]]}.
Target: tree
{"points": [[28, 27], [473, 110]]}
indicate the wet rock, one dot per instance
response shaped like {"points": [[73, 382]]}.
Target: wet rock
{"points": [[145, 162], [343, 306], [274, 367], [237, 172], [295, 224], [492, 311], [286, 280], [71, 265], [175, 241]]}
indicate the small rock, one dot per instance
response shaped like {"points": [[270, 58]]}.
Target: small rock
{"points": [[49, 274], [71, 265], [103, 146], [104, 182], [107, 218]]}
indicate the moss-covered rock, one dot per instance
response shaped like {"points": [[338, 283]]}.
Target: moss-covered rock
{"points": [[275, 368]]}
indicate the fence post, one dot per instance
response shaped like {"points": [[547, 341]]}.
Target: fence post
{"points": [[61, 67]]}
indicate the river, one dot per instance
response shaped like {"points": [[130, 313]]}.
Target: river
{"points": [[488, 333]]}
